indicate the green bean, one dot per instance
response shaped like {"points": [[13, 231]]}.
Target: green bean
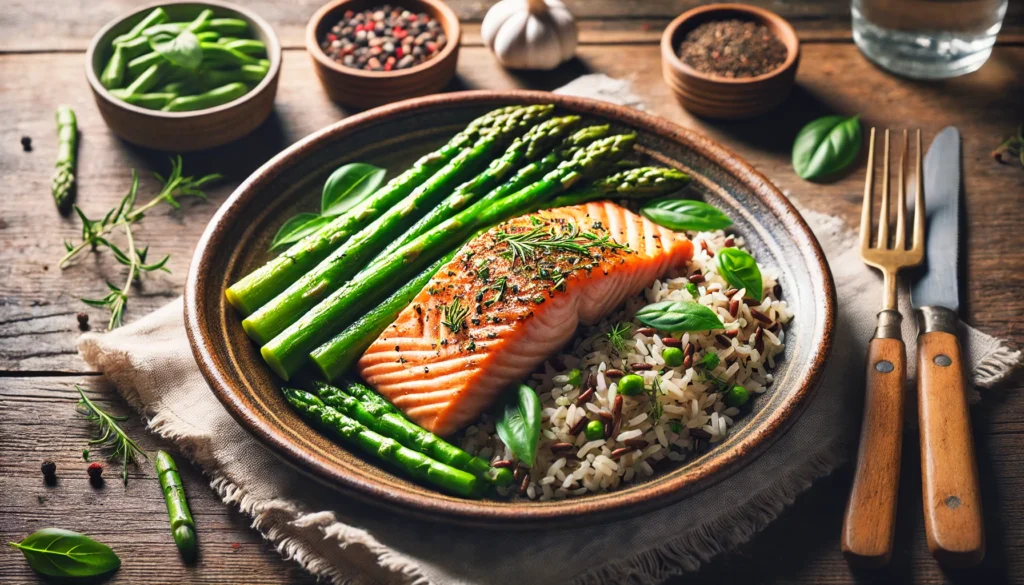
{"points": [[152, 101], [148, 79], [245, 74], [134, 48], [229, 26], [157, 16], [181, 87], [209, 99], [247, 46], [183, 528], [171, 28], [139, 65], [208, 36], [216, 52], [226, 40], [113, 74], [201, 22]]}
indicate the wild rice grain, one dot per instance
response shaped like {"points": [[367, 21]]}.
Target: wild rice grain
{"points": [[696, 278], [707, 249], [646, 331], [635, 443], [562, 448], [522, 472], [730, 292], [729, 242], [688, 362], [607, 416], [584, 397], [688, 350], [700, 434], [671, 342], [502, 464], [613, 374], [760, 316], [620, 452], [579, 426], [759, 340], [524, 485], [732, 333], [777, 290], [640, 367], [734, 307]]}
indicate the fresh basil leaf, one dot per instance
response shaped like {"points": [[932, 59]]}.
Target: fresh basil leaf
{"points": [[297, 228], [180, 49], [826, 146], [55, 552], [685, 214], [740, 270], [679, 316], [348, 186], [518, 424]]}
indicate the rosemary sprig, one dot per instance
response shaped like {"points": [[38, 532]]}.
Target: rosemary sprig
{"points": [[499, 291], [527, 245], [111, 435], [454, 316], [618, 336], [1012, 147], [656, 409], [95, 234]]}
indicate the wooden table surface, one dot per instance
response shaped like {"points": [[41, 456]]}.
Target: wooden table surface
{"points": [[41, 65]]}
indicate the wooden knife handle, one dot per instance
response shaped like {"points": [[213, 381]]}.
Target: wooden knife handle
{"points": [[952, 503], [870, 522]]}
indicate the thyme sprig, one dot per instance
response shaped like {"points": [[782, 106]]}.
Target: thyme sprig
{"points": [[95, 234], [111, 435], [618, 336], [453, 315], [525, 246], [1011, 148]]}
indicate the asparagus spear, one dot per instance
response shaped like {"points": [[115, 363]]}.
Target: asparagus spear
{"points": [[182, 526], [67, 147], [526, 176], [336, 357], [381, 417], [338, 268], [288, 352], [416, 464], [274, 277]]}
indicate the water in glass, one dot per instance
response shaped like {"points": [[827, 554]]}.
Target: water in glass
{"points": [[927, 39]]}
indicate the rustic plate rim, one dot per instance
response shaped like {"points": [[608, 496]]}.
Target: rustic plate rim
{"points": [[472, 512]]}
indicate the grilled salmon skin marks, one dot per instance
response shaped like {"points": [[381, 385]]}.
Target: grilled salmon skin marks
{"points": [[509, 299]]}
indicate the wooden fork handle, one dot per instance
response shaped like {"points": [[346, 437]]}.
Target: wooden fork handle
{"points": [[952, 503], [870, 521]]}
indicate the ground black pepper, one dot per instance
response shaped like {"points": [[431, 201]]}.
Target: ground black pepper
{"points": [[384, 38], [732, 48]]}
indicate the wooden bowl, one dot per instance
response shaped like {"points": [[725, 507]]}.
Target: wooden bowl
{"points": [[712, 96], [237, 239], [184, 131], [365, 89]]}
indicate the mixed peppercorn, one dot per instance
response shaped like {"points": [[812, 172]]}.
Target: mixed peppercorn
{"points": [[732, 48], [385, 38]]}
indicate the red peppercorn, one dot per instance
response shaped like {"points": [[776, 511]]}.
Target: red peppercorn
{"points": [[399, 52], [349, 14], [332, 37], [95, 473]]}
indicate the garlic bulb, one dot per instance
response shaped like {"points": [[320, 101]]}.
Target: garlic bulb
{"points": [[530, 34]]}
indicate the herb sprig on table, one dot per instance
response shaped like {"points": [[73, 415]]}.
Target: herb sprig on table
{"points": [[1012, 149], [111, 435], [95, 234]]}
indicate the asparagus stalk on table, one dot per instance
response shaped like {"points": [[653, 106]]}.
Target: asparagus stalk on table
{"points": [[416, 464], [67, 154], [183, 528], [289, 351], [270, 280], [335, 358], [338, 268], [526, 176], [377, 414]]}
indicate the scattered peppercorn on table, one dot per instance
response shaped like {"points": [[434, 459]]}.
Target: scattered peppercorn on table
{"points": [[41, 69]]}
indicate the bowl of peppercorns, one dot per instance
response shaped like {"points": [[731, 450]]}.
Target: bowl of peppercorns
{"points": [[367, 53], [730, 61]]}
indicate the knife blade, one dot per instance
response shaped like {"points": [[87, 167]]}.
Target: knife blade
{"points": [[936, 283]]}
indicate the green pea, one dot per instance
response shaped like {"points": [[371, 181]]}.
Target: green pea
{"points": [[736, 396], [710, 360], [631, 385], [673, 357], [575, 377], [594, 430]]}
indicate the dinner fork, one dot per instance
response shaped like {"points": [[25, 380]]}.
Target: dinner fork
{"points": [[870, 520]]}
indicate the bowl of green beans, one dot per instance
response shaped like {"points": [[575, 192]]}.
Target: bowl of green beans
{"points": [[184, 76]]}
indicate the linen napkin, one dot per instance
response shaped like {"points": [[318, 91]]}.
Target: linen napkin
{"points": [[150, 363]]}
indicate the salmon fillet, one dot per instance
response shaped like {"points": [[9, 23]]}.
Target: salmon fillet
{"points": [[509, 299]]}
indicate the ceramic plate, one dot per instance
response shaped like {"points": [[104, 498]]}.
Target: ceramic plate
{"points": [[392, 137]]}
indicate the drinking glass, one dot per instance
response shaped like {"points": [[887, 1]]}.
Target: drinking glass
{"points": [[927, 39]]}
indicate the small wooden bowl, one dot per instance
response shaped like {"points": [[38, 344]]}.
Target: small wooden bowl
{"points": [[366, 89], [184, 131], [722, 97]]}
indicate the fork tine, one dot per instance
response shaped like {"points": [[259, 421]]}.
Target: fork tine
{"points": [[869, 181], [901, 200], [883, 213], [919, 210]]}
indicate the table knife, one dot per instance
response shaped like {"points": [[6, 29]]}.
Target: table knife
{"points": [[952, 503]]}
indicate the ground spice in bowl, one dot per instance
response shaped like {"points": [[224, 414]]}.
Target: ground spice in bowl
{"points": [[384, 38], [732, 48]]}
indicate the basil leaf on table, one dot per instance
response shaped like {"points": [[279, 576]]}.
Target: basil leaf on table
{"points": [[55, 552], [685, 215], [297, 228], [348, 186], [826, 146], [679, 316], [518, 424], [740, 270], [180, 49]]}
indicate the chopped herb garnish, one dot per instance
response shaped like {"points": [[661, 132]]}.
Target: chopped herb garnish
{"points": [[619, 335], [527, 245], [453, 316]]}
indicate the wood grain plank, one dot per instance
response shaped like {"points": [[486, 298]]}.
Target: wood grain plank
{"points": [[38, 302]]}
